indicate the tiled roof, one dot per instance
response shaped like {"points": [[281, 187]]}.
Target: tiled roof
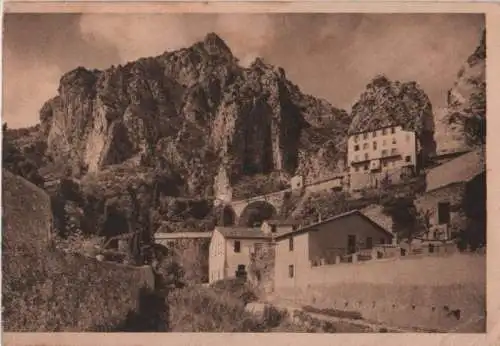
{"points": [[183, 235], [461, 169], [336, 217], [242, 233], [282, 222]]}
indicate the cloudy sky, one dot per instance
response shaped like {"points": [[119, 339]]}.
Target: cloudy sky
{"points": [[332, 56]]}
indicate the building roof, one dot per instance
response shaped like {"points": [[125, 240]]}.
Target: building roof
{"points": [[242, 233], [282, 222], [311, 227], [460, 169], [376, 129], [182, 235]]}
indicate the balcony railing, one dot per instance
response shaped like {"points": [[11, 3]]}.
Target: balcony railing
{"points": [[383, 155]]}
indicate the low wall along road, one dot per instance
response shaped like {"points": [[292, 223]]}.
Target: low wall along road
{"points": [[436, 293]]}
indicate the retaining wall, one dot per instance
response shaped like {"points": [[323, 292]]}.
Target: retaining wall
{"points": [[443, 293]]}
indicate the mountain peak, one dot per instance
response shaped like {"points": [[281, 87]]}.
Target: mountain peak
{"points": [[215, 45]]}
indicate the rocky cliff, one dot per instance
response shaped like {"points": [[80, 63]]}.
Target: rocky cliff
{"points": [[193, 110], [462, 124]]}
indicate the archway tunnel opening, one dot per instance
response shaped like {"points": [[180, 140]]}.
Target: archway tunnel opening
{"points": [[255, 213]]}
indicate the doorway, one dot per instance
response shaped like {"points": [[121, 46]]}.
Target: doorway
{"points": [[241, 272], [351, 244]]}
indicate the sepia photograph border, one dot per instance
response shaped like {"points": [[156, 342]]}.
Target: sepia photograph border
{"points": [[492, 11]]}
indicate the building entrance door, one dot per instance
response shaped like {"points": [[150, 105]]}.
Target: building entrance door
{"points": [[351, 244]]}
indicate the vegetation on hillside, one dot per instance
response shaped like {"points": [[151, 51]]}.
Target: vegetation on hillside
{"points": [[328, 204], [17, 161]]}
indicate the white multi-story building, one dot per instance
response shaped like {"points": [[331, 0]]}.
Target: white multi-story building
{"points": [[387, 154]]}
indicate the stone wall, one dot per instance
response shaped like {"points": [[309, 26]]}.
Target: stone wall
{"points": [[434, 292], [454, 195]]}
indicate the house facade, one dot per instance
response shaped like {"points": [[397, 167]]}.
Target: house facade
{"points": [[324, 243], [455, 193], [231, 249], [281, 254], [383, 155]]}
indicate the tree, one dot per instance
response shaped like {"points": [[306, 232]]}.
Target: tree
{"points": [[423, 222], [405, 218], [474, 206], [16, 162]]}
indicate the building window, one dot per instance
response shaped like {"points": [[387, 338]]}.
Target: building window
{"points": [[273, 228], [393, 130], [290, 244], [356, 147], [237, 246], [384, 143], [374, 134], [367, 166], [356, 158], [356, 169], [374, 145], [356, 138], [365, 135], [290, 271], [369, 243], [366, 156], [394, 141], [365, 146], [393, 151], [443, 213], [384, 153], [408, 158], [385, 164], [384, 132]]}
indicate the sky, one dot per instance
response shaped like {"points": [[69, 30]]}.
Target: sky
{"points": [[332, 56]]}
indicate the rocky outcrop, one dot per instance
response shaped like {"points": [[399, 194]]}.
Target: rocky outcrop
{"points": [[462, 124], [387, 103], [193, 110]]}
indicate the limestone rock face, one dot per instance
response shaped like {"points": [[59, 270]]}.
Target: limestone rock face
{"points": [[192, 109], [466, 101]]}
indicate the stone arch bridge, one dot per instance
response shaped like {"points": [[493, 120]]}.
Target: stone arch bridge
{"points": [[271, 205]]}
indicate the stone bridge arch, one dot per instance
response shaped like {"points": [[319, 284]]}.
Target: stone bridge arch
{"points": [[228, 216], [256, 212]]}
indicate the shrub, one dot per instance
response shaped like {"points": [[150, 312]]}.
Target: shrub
{"points": [[202, 309], [273, 317], [53, 291], [237, 288]]}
